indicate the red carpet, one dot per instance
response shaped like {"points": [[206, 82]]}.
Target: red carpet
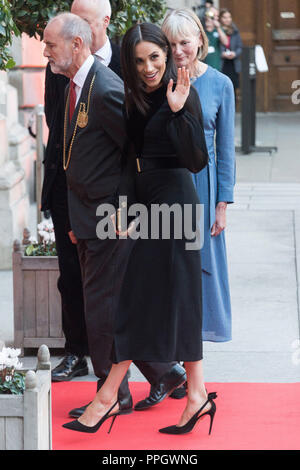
{"points": [[250, 416]]}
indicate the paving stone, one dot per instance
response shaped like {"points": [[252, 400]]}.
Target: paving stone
{"points": [[272, 367], [261, 247], [258, 221]]}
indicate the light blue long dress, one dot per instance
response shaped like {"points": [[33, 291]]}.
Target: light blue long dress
{"points": [[214, 184]]}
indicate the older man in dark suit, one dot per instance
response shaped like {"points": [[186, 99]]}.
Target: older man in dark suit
{"points": [[54, 195], [93, 139]]}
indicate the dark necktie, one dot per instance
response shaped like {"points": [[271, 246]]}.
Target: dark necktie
{"points": [[72, 99]]}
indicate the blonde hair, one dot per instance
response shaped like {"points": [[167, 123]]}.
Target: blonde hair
{"points": [[182, 22]]}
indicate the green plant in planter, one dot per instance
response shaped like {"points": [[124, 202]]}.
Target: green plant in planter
{"points": [[46, 246], [11, 381], [41, 249], [15, 386]]}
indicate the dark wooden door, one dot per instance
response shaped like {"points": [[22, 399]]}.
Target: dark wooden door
{"points": [[284, 47], [275, 25]]}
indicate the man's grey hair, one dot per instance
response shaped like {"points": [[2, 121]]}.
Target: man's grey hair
{"points": [[73, 26]]}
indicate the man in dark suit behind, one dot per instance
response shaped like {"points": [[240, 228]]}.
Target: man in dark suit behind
{"points": [[162, 377]]}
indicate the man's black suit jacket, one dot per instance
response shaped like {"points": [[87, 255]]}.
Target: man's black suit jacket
{"points": [[94, 170], [55, 85]]}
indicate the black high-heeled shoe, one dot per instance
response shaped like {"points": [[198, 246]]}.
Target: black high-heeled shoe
{"points": [[191, 423], [77, 426]]}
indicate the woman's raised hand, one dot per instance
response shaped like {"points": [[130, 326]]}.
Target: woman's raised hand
{"points": [[178, 97]]}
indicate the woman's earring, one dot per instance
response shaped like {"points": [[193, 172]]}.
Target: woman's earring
{"points": [[200, 50]]}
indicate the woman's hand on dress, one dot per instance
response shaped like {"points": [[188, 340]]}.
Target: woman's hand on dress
{"points": [[125, 233], [220, 222], [178, 97]]}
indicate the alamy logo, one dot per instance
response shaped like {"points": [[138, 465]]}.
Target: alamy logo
{"points": [[296, 94], [160, 221]]}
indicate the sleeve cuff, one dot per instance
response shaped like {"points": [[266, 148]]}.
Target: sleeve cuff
{"points": [[179, 113], [225, 197]]}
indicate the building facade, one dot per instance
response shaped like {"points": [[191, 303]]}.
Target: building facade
{"points": [[275, 25]]}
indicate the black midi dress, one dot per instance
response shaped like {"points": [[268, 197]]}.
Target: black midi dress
{"points": [[159, 317]]}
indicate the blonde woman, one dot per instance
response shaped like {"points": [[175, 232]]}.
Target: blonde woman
{"points": [[215, 183]]}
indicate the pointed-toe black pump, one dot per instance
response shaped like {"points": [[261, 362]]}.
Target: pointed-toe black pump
{"points": [[77, 426], [188, 427]]}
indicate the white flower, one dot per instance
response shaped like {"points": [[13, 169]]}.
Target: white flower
{"points": [[46, 237], [46, 224], [46, 231], [2, 360], [40, 226], [9, 358], [13, 362], [12, 352], [42, 233]]}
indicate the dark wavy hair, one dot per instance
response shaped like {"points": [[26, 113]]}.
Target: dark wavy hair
{"points": [[134, 88]]}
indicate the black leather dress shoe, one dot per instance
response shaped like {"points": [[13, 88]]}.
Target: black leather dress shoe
{"points": [[71, 366], [179, 392], [125, 405], [167, 384]]}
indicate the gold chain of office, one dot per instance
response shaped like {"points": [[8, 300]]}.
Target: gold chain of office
{"points": [[81, 121]]}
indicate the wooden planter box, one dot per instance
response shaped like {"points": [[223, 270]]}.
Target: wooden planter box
{"points": [[26, 420], [37, 303]]}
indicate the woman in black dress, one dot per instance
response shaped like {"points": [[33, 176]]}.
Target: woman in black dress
{"points": [[160, 314]]}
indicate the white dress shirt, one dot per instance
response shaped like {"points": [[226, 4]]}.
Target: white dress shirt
{"points": [[104, 53], [80, 77]]}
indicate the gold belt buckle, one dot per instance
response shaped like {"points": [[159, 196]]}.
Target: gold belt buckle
{"points": [[138, 165]]}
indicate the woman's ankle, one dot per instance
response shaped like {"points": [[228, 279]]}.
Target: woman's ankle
{"points": [[196, 397], [105, 399]]}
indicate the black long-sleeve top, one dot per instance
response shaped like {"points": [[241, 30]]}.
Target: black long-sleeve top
{"points": [[180, 134]]}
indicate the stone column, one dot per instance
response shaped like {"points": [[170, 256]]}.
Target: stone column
{"points": [[15, 155], [28, 77], [21, 89]]}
